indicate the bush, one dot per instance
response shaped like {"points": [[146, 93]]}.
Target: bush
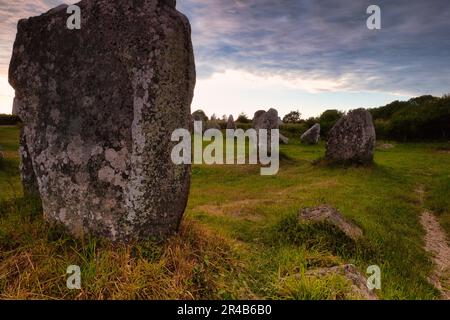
{"points": [[292, 130], [243, 126], [292, 117], [8, 120], [327, 121], [422, 118], [200, 115], [242, 118]]}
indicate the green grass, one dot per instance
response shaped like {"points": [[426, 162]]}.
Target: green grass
{"points": [[10, 185], [240, 239], [439, 200]]}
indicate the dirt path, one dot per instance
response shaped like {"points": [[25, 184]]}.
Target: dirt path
{"points": [[436, 244]]}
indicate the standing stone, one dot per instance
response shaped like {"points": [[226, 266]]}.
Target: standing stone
{"points": [[284, 139], [257, 118], [230, 123], [353, 138], [29, 181], [99, 106], [27, 175], [312, 136], [200, 115], [268, 121]]}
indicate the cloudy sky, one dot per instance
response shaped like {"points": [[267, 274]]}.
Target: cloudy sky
{"points": [[310, 55]]}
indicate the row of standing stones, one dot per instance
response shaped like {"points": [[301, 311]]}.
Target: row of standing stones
{"points": [[351, 140], [99, 106]]}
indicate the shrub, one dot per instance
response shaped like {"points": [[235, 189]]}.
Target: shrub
{"points": [[8, 119], [243, 118], [422, 118], [292, 117]]}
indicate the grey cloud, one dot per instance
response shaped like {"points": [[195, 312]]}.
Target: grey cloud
{"points": [[327, 39], [315, 39]]}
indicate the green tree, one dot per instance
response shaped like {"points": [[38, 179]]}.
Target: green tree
{"points": [[328, 119], [293, 117], [243, 118], [200, 115]]}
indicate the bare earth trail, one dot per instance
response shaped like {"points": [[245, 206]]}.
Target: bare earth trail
{"points": [[436, 244]]}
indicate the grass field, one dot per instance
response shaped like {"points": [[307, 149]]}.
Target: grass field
{"points": [[240, 238]]}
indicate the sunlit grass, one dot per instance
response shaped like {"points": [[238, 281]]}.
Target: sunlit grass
{"points": [[239, 238]]}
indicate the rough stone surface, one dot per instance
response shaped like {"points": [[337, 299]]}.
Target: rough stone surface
{"points": [[29, 181], [312, 136], [266, 120], [99, 106], [330, 215], [351, 273], [353, 138], [283, 139], [200, 115], [231, 125]]}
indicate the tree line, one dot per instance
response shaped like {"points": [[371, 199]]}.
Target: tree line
{"points": [[422, 118], [418, 119]]}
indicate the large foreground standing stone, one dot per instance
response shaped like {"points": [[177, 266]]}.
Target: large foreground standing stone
{"points": [[312, 136], [29, 181], [353, 138], [99, 106]]}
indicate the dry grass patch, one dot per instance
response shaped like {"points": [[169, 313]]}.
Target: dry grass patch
{"points": [[195, 264]]}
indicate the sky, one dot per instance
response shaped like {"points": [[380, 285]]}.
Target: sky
{"points": [[310, 55]]}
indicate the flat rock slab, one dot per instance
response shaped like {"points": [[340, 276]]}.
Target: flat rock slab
{"points": [[99, 106], [352, 274], [327, 214]]}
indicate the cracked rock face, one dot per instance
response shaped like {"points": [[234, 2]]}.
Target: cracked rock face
{"points": [[99, 106], [353, 138], [312, 136]]}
